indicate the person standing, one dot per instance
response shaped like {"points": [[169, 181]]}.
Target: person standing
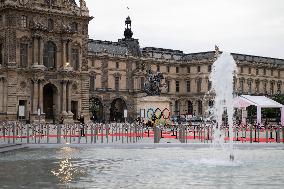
{"points": [[82, 124]]}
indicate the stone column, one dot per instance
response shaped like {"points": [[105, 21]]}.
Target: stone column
{"points": [[35, 51], [63, 53], [40, 96], [40, 49], [35, 97], [69, 98], [1, 94], [64, 83]]}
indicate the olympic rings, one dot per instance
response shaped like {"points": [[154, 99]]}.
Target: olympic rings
{"points": [[158, 113]]}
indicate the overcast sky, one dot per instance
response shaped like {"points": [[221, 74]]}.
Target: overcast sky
{"points": [[254, 27]]}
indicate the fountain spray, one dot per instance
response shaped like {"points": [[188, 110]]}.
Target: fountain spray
{"points": [[222, 77]]}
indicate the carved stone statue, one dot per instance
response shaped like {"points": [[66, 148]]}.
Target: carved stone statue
{"points": [[153, 84]]}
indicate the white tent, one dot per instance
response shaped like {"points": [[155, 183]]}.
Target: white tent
{"points": [[244, 101]]}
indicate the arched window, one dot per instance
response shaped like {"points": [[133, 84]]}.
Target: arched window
{"points": [[49, 55]]}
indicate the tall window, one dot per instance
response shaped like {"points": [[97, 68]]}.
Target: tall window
{"points": [[199, 82], [158, 68], [242, 69], [116, 82], [1, 54], [50, 24], [142, 83], [271, 72], [177, 107], [189, 108], [249, 87], [272, 88], [23, 55], [278, 88], [256, 86], [209, 68], [249, 70], [188, 86], [117, 65], [168, 86], [265, 87], [23, 21], [198, 69], [279, 72], [74, 27], [177, 86], [256, 71], [241, 86], [168, 69], [264, 71], [177, 69], [199, 104], [49, 55], [209, 85], [188, 69], [75, 59], [92, 83]]}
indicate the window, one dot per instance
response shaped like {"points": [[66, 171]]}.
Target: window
{"points": [[117, 65], [249, 70], [209, 68], [249, 87], [1, 20], [168, 86], [272, 88], [23, 55], [199, 103], [242, 69], [199, 82], [93, 63], [256, 71], [116, 82], [142, 83], [198, 69], [1, 54], [265, 87], [177, 107], [271, 72], [278, 88], [158, 68], [75, 59], [49, 55], [177, 69], [92, 83], [241, 86], [50, 24], [189, 108], [168, 69], [279, 74], [188, 70], [74, 27], [209, 85], [256, 86], [23, 21], [264, 71], [177, 86], [188, 86]]}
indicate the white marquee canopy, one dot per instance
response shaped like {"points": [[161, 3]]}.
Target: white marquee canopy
{"points": [[244, 101]]}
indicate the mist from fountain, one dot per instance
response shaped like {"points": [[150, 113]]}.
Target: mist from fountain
{"points": [[221, 77]]}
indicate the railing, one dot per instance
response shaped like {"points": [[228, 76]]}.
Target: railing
{"points": [[17, 132]]}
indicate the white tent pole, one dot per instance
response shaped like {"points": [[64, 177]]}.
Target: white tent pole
{"points": [[258, 115], [282, 116]]}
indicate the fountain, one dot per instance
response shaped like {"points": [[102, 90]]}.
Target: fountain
{"points": [[222, 85]]}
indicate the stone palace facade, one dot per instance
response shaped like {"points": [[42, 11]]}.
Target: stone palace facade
{"points": [[50, 69]]}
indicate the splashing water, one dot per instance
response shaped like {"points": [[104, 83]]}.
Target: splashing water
{"points": [[222, 85]]}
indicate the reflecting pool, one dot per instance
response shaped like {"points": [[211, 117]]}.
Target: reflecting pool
{"points": [[153, 167]]}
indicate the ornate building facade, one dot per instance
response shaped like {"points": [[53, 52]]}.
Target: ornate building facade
{"points": [[49, 66]]}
